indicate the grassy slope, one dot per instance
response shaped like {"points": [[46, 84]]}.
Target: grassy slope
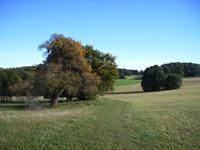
{"points": [[130, 80], [157, 120], [120, 82]]}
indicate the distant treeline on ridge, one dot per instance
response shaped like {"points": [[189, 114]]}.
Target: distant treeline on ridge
{"points": [[168, 76], [128, 72], [183, 69]]}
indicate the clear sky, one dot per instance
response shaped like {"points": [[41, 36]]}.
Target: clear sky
{"points": [[139, 32]]}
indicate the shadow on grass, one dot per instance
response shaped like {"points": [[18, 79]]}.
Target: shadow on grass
{"points": [[4, 106], [131, 92], [17, 105], [31, 105]]}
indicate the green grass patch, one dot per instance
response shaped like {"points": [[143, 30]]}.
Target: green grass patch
{"points": [[121, 82], [130, 80], [154, 120]]}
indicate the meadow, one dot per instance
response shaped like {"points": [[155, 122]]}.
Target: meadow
{"points": [[132, 120], [129, 80]]}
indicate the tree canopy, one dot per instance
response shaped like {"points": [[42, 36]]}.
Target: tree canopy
{"points": [[155, 78], [104, 65], [65, 71], [183, 69], [15, 81], [73, 71]]}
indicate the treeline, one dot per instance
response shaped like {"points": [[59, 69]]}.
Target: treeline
{"points": [[128, 72], [183, 69], [15, 81], [70, 70], [168, 76]]}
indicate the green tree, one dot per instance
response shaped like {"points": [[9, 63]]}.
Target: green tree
{"points": [[8, 78], [88, 89], [153, 79], [173, 81], [104, 65], [171, 68]]}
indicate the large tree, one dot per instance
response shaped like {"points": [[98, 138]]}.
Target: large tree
{"points": [[65, 71]]}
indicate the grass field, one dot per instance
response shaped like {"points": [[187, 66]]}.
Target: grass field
{"points": [[155, 120], [129, 80]]}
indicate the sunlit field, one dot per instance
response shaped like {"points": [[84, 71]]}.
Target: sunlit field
{"points": [[100, 75], [129, 80], [153, 120]]}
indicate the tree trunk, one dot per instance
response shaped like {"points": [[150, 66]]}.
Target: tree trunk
{"points": [[3, 98], [53, 100]]}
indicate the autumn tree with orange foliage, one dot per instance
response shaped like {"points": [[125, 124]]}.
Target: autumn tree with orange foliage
{"points": [[65, 71]]}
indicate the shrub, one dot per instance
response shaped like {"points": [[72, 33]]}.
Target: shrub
{"points": [[173, 81], [153, 79]]}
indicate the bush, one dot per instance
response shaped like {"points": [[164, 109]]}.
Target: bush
{"points": [[173, 81], [155, 79]]}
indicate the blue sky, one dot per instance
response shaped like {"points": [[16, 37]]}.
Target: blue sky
{"points": [[139, 32]]}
